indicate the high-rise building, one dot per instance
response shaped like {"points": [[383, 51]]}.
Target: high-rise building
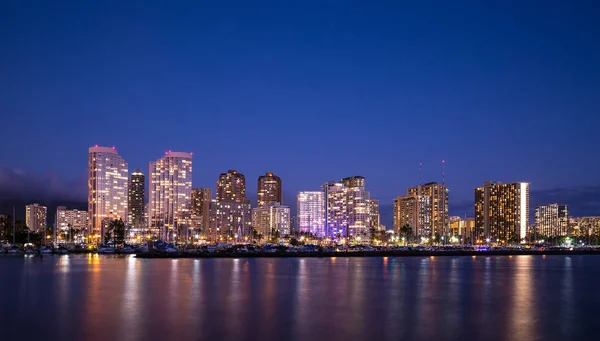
{"points": [[201, 198], [552, 220], [374, 218], [107, 189], [230, 214], [271, 219], [35, 217], [229, 219], [311, 213], [501, 212], [347, 207], [269, 189], [438, 197], [71, 222], [231, 187], [74, 219], [413, 211], [170, 195], [136, 197]]}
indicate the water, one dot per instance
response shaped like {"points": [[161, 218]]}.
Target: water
{"points": [[93, 297]]}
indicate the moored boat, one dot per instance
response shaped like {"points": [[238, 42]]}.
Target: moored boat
{"points": [[106, 250]]}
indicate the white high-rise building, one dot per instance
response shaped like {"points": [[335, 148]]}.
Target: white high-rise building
{"points": [[311, 213], [170, 199], [70, 223], [35, 217], [75, 219], [271, 218], [108, 175], [347, 208]]}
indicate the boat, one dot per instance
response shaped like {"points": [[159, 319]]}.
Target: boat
{"points": [[125, 250], [31, 251], [15, 251], [61, 251], [46, 250], [142, 249], [106, 250]]}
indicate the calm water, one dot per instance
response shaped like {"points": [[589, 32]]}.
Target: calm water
{"points": [[443, 298]]}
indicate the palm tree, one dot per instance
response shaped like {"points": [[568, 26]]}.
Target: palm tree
{"points": [[406, 232]]}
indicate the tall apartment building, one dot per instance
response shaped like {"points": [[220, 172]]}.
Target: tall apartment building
{"points": [[201, 198], [552, 220], [413, 211], [438, 198], [229, 218], [170, 199], [230, 213], [35, 217], [501, 212], [231, 186], [311, 213], [108, 175], [347, 207], [269, 189], [271, 218], [136, 198], [74, 219], [374, 217]]}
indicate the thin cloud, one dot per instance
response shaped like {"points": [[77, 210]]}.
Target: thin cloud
{"points": [[17, 184]]}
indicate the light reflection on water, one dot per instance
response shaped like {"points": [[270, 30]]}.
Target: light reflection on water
{"points": [[414, 298]]}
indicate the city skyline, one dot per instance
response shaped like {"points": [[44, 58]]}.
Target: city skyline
{"points": [[389, 207], [308, 85]]}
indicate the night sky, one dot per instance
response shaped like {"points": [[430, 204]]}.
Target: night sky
{"points": [[311, 90]]}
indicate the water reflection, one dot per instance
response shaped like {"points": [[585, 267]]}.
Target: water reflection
{"points": [[444, 298], [523, 316], [132, 309]]}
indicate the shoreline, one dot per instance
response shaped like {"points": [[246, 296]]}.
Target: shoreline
{"points": [[176, 255]]}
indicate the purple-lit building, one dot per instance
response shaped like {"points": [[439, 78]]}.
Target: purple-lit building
{"points": [[311, 213]]}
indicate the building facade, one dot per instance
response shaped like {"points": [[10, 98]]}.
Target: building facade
{"points": [[269, 189], [170, 198], [229, 220], [552, 220], [201, 198], [70, 223], [136, 198], [374, 217], [108, 175], [271, 220], [231, 187], [347, 208], [462, 228], [586, 226], [413, 211], [501, 212], [71, 219], [438, 200], [35, 217], [311, 213]]}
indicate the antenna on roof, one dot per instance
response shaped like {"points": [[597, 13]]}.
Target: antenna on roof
{"points": [[420, 173], [443, 172]]}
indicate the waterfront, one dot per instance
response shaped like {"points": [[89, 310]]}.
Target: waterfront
{"points": [[96, 297]]}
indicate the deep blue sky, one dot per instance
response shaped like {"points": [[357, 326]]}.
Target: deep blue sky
{"points": [[311, 91]]}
